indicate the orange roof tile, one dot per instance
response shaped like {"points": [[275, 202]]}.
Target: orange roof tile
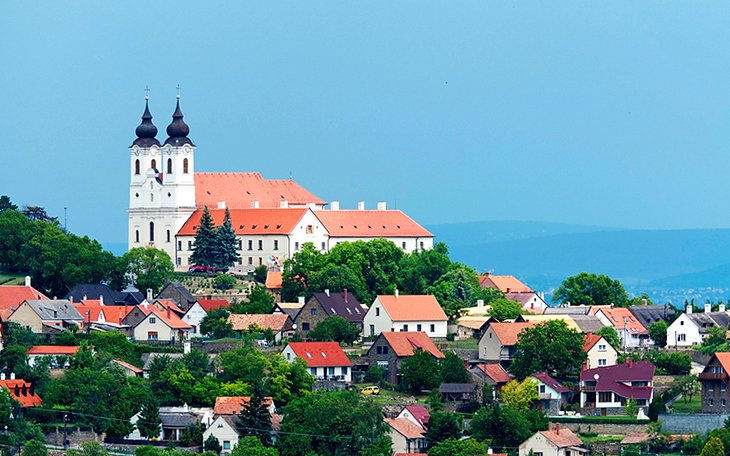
{"points": [[93, 306], [210, 304], [563, 438], [275, 322], [274, 280], [495, 371], [249, 221], [405, 343], [508, 332], [53, 350], [405, 427], [168, 304], [21, 391], [724, 359], [131, 367], [115, 314], [320, 354], [11, 296], [364, 224], [412, 307], [239, 190], [232, 405], [589, 340], [621, 317], [504, 283], [170, 319]]}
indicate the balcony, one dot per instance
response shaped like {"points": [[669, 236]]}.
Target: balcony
{"points": [[713, 376]]}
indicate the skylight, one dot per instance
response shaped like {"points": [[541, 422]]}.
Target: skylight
{"points": [[323, 355]]}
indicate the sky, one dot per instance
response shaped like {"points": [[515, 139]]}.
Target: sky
{"points": [[602, 113]]}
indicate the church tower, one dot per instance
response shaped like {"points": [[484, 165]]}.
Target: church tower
{"points": [[162, 183]]}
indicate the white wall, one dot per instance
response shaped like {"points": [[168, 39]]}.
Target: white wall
{"points": [[193, 317], [222, 431], [412, 244], [683, 333], [602, 350], [378, 318], [319, 372]]}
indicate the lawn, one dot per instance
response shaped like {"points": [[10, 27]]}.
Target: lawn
{"points": [[390, 396], [466, 344], [693, 406], [7, 278], [602, 438]]}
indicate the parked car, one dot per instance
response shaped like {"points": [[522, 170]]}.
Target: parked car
{"points": [[368, 390]]}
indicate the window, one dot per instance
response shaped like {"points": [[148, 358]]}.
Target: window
{"points": [[712, 402], [152, 335], [377, 311], [313, 371], [296, 246], [313, 311], [153, 165], [152, 198], [288, 356], [261, 245], [136, 235], [250, 260], [305, 326], [539, 453], [343, 371], [190, 245], [372, 330], [330, 371], [179, 245], [418, 327], [136, 167], [168, 235], [226, 444], [250, 244], [404, 245], [153, 320], [324, 246], [602, 362], [433, 327], [542, 389], [723, 387], [605, 397], [711, 386], [681, 323], [681, 337], [602, 347], [421, 244], [179, 261], [185, 166], [723, 402], [152, 231], [310, 229], [405, 328], [169, 166], [276, 245]]}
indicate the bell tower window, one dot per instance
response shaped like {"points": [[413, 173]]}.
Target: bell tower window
{"points": [[168, 235], [152, 231], [185, 166], [136, 235], [136, 166], [153, 165], [169, 166]]}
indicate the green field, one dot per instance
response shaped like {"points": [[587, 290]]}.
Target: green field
{"points": [[7, 278], [693, 406]]}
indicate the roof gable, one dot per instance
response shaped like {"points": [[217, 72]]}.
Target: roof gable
{"points": [[504, 283], [406, 343], [495, 372], [412, 307], [275, 322], [508, 332], [342, 304], [320, 354]]}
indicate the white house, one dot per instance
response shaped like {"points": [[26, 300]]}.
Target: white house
{"points": [[691, 328], [530, 301], [557, 442], [407, 436], [57, 352], [551, 394], [405, 313], [632, 333], [325, 360], [193, 317], [224, 430], [599, 352], [161, 325]]}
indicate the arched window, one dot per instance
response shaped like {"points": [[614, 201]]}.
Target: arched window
{"points": [[169, 166], [152, 197], [136, 166], [153, 165], [185, 166], [136, 235], [168, 235], [152, 231]]}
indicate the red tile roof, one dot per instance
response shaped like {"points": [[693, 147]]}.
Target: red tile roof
{"points": [[551, 382], [21, 391], [232, 405], [115, 314], [364, 224], [724, 359], [508, 332], [93, 306], [420, 413], [405, 343], [621, 317], [210, 304], [168, 304], [613, 378], [589, 340], [11, 296], [275, 322], [320, 354], [563, 438], [496, 372], [504, 283], [249, 221], [239, 190], [131, 367], [170, 318], [274, 280], [412, 307], [52, 350], [405, 427]]}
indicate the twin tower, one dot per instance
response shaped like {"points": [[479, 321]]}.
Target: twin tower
{"points": [[162, 183]]}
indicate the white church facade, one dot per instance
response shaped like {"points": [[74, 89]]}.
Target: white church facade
{"points": [[273, 219]]}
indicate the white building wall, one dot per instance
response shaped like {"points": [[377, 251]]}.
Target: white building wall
{"points": [[193, 317], [490, 348], [602, 350], [683, 332], [412, 244], [376, 320], [319, 372], [539, 444], [164, 332], [222, 431]]}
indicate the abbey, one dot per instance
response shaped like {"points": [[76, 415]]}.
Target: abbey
{"points": [[272, 218]]}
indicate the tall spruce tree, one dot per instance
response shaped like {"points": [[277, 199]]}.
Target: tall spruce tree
{"points": [[225, 244], [149, 423], [205, 240], [254, 418]]}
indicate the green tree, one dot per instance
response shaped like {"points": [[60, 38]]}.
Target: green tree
{"points": [[549, 347], [520, 395], [34, 448], [212, 444], [503, 425], [713, 447], [658, 333], [611, 335], [251, 446], [455, 447], [225, 244], [591, 289], [423, 268], [149, 266], [12, 357], [215, 324], [224, 282], [259, 274], [150, 423], [715, 341], [91, 448], [15, 232], [688, 386], [6, 204], [631, 408], [259, 301], [453, 370], [455, 290], [335, 277], [504, 309], [419, 371], [443, 426], [205, 239], [298, 270], [335, 328], [254, 418]]}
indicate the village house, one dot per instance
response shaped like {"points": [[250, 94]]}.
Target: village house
{"points": [[104, 293], [491, 374], [328, 304], [552, 396], [405, 313], [274, 280], [458, 392], [175, 420], [233, 405], [691, 328], [599, 352], [472, 326], [159, 325], [407, 436], [556, 442], [606, 390], [225, 430], [418, 414], [177, 293], [290, 308], [650, 314], [46, 316], [59, 354], [129, 369], [390, 349], [499, 339], [193, 317], [714, 379], [325, 360], [280, 324], [12, 296], [504, 283], [529, 300], [630, 330], [21, 391]]}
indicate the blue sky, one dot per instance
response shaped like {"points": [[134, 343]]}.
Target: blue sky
{"points": [[604, 113]]}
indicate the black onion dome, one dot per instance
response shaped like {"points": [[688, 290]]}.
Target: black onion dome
{"points": [[146, 131], [178, 130]]}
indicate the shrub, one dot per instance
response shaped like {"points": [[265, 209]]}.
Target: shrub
{"points": [[224, 282]]}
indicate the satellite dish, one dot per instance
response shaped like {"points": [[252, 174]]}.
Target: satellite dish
{"points": [[294, 326], [596, 377]]}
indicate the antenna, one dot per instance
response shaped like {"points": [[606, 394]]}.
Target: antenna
{"points": [[147, 92]]}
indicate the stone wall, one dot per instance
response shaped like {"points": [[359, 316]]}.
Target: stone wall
{"points": [[76, 436], [697, 423], [604, 447], [604, 428]]}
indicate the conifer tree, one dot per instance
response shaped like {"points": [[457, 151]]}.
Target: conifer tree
{"points": [[205, 239], [254, 418], [225, 244], [149, 423]]}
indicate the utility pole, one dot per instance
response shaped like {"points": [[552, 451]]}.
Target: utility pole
{"points": [[65, 432]]}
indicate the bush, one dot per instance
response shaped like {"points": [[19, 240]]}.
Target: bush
{"points": [[224, 282]]}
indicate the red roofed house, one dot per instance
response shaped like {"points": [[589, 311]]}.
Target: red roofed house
{"points": [[492, 374], [199, 310], [499, 339], [632, 333], [714, 379], [551, 394], [405, 313], [407, 436], [607, 389], [274, 283], [160, 325], [556, 442], [391, 348], [11, 296], [280, 324], [232, 405], [21, 391], [38, 351], [504, 283], [416, 413], [600, 352], [325, 360]]}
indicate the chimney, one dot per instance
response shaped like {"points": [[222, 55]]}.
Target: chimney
{"points": [[101, 300], [361, 206], [557, 428], [186, 348], [255, 204], [688, 309], [345, 295], [12, 376], [644, 302], [121, 319], [382, 205], [2, 376], [509, 290], [327, 291], [721, 308], [27, 281], [480, 303], [335, 206], [284, 204], [629, 362], [708, 308], [396, 293], [221, 204], [301, 300], [85, 298], [168, 312], [149, 295]]}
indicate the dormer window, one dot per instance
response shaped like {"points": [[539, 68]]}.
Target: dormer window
{"points": [[324, 355]]}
